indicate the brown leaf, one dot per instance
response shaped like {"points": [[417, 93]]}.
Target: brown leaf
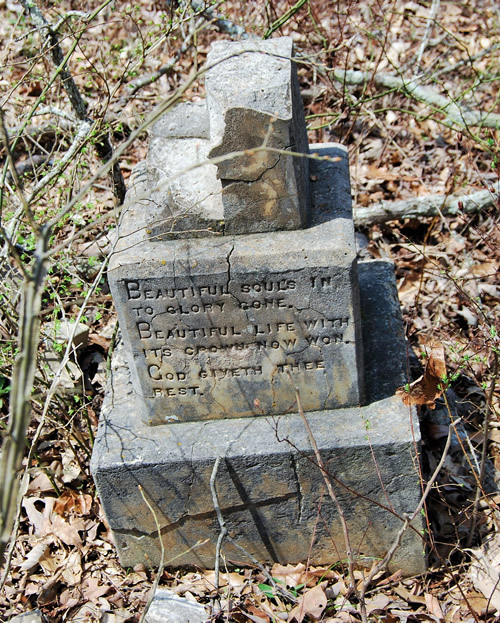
{"points": [[429, 387], [257, 615], [68, 533], [92, 590], [40, 483], [484, 570], [296, 575], [433, 606], [379, 602], [312, 603], [71, 502], [72, 572]]}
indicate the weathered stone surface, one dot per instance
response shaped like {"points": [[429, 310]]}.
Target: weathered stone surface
{"points": [[270, 491], [167, 607], [226, 327], [266, 191]]}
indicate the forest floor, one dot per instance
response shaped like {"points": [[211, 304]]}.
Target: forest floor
{"points": [[402, 144]]}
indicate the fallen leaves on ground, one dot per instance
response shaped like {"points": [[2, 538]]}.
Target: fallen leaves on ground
{"points": [[430, 386], [484, 570]]}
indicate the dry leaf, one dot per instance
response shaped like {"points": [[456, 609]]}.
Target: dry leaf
{"points": [[92, 590], [40, 483], [257, 615], [379, 602], [74, 503], [484, 570], [67, 532], [312, 603], [429, 387], [33, 558], [433, 606], [36, 517], [72, 572], [71, 467], [298, 575]]}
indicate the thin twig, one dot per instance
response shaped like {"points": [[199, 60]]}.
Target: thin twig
{"points": [[429, 205], [331, 493], [484, 450], [220, 519], [79, 141], [103, 145], [228, 537], [456, 115], [425, 38], [161, 566], [382, 564]]}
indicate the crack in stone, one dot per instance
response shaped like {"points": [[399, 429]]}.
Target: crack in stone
{"points": [[300, 497], [227, 183]]}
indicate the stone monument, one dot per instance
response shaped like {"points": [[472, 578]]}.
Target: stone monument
{"points": [[236, 281]]}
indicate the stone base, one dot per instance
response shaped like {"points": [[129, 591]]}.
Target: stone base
{"points": [[271, 493]]}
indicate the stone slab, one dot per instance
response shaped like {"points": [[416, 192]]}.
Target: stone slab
{"points": [[271, 493], [252, 192], [226, 327], [167, 607]]}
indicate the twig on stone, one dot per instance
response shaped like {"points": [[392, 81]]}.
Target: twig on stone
{"points": [[161, 566], [382, 564], [333, 497], [220, 519], [227, 536]]}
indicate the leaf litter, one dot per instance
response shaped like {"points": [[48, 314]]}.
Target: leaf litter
{"points": [[64, 561]]}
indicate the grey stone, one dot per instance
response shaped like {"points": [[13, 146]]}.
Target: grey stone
{"points": [[35, 616], [226, 327], [236, 284], [270, 490], [186, 120], [167, 607], [243, 118], [183, 196]]}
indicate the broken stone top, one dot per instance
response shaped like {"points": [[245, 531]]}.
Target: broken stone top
{"points": [[253, 105]]}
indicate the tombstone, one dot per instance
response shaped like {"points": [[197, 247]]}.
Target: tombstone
{"points": [[236, 282]]}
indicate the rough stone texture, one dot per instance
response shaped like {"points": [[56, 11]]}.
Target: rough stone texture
{"points": [[269, 489], [226, 327], [266, 191], [167, 607]]}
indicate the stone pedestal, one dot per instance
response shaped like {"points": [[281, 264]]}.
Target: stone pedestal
{"points": [[235, 283], [270, 490]]}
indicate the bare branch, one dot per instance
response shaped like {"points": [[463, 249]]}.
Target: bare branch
{"points": [[102, 146], [80, 139], [419, 207], [460, 116], [425, 38]]}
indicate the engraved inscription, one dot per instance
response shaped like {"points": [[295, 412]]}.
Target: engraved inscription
{"points": [[202, 338]]}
